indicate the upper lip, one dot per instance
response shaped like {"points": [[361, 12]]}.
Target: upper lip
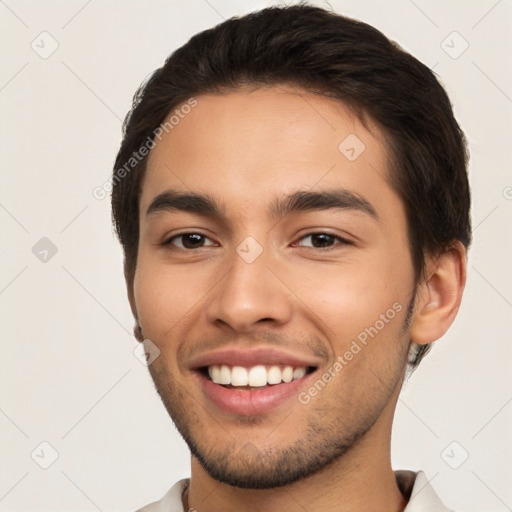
{"points": [[252, 357]]}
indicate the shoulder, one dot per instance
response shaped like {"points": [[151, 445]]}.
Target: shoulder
{"points": [[171, 501], [418, 489]]}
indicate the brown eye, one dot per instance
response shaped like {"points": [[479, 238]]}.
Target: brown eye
{"points": [[188, 241], [322, 240]]}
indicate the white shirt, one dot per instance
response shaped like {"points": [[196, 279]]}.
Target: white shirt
{"points": [[422, 498]]}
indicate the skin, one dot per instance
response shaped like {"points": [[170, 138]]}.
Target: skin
{"points": [[245, 148]]}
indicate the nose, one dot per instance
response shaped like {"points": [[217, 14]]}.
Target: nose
{"points": [[250, 294]]}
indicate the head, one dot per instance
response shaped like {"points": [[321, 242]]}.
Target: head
{"points": [[264, 126]]}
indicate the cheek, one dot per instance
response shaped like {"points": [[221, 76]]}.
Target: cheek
{"points": [[353, 300], [164, 297]]}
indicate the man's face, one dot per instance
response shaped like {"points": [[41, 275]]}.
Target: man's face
{"points": [[304, 285]]}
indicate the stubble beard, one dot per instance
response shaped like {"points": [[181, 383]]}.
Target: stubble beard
{"points": [[329, 434]]}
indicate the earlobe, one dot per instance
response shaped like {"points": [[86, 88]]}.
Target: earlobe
{"points": [[137, 332], [439, 295]]}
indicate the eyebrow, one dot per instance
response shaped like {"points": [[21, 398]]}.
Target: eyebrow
{"points": [[297, 202]]}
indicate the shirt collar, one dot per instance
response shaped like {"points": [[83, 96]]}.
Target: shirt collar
{"points": [[420, 493], [414, 486]]}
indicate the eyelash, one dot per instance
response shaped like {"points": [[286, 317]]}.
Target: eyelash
{"points": [[342, 241]]}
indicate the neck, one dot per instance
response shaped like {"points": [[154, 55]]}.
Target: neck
{"points": [[362, 479]]}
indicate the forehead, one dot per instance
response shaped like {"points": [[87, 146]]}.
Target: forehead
{"points": [[246, 146]]}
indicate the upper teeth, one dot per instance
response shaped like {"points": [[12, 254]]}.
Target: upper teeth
{"points": [[255, 376]]}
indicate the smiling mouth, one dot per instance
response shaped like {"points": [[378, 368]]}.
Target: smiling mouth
{"points": [[255, 377]]}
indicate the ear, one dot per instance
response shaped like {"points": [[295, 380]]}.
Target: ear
{"points": [[439, 295], [137, 330]]}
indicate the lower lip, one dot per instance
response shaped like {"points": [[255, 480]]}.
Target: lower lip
{"points": [[250, 403]]}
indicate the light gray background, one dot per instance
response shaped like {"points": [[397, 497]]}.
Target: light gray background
{"points": [[69, 375]]}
